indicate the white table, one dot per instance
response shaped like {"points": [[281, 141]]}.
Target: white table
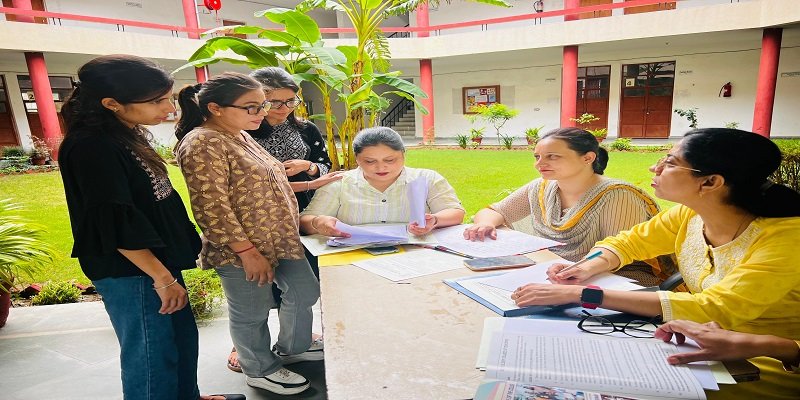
{"points": [[385, 340]]}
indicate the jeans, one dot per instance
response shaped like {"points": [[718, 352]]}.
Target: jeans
{"points": [[158, 353], [248, 311], [312, 260]]}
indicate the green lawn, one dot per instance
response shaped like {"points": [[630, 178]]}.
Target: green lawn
{"points": [[480, 177]]}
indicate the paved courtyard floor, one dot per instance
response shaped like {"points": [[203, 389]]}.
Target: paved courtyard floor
{"points": [[66, 352]]}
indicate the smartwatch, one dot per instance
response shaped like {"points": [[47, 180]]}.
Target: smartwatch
{"points": [[591, 297]]}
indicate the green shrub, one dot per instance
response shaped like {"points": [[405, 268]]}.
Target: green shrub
{"points": [[164, 151], [789, 172], [462, 140], [57, 293], [508, 141], [690, 115], [621, 144], [13, 152], [205, 292]]}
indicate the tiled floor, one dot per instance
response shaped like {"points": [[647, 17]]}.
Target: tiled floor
{"points": [[69, 352]]}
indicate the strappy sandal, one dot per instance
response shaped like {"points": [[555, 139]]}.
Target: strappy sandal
{"points": [[231, 366]]}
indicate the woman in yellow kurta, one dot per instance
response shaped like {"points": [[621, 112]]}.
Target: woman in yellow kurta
{"points": [[734, 234]]}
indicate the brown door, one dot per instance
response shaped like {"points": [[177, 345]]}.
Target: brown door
{"points": [[664, 5], [36, 5], [8, 135], [595, 14], [646, 106], [593, 84]]}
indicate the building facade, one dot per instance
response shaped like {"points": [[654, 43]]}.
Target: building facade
{"points": [[629, 66]]}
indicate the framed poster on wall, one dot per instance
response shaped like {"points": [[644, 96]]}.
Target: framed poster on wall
{"points": [[479, 95]]}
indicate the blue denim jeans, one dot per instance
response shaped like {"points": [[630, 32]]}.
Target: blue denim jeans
{"points": [[248, 310], [158, 353]]}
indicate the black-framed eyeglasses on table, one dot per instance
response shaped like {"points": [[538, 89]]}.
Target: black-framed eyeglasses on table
{"points": [[603, 326]]}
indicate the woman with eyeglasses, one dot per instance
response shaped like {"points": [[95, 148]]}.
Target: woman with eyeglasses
{"points": [[572, 202], [247, 211], [132, 235], [735, 235], [300, 147]]}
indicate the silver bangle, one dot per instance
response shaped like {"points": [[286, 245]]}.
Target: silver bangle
{"points": [[174, 281]]}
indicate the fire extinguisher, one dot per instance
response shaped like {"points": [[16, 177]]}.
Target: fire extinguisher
{"points": [[726, 90]]}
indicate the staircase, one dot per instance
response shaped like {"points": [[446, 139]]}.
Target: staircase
{"points": [[401, 119]]}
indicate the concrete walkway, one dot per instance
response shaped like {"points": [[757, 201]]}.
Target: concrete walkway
{"points": [[69, 351]]}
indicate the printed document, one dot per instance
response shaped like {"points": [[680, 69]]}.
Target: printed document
{"points": [[417, 191], [411, 264], [538, 274], [623, 366], [508, 242]]}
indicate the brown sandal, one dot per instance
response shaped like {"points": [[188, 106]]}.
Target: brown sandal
{"points": [[233, 361]]}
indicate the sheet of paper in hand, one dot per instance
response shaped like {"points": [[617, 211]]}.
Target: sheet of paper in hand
{"points": [[417, 191], [374, 234]]}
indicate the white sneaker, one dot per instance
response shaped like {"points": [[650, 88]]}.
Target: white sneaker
{"points": [[314, 353], [281, 381]]}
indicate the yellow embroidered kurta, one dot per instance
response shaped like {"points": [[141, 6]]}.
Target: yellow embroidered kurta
{"points": [[751, 284]]}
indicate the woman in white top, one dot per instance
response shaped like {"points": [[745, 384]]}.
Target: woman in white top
{"points": [[375, 192]]}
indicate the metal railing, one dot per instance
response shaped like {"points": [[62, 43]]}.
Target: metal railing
{"points": [[397, 112]]}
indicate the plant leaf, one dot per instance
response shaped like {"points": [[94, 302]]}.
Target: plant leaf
{"points": [[401, 84], [296, 23]]}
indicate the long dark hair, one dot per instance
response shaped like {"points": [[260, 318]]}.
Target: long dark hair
{"points": [[222, 89], [581, 142], [274, 78], [745, 160], [127, 79]]}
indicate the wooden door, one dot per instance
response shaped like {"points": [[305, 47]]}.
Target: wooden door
{"points": [[595, 14], [8, 134], [664, 5], [36, 5], [646, 105], [593, 85]]}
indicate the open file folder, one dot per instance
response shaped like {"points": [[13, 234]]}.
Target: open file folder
{"points": [[495, 299]]}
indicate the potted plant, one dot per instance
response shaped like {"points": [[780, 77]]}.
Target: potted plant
{"points": [[40, 152], [585, 120], [476, 135], [23, 251], [532, 135], [496, 114]]}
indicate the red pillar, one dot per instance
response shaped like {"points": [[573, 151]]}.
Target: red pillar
{"points": [[568, 4], [42, 91], [190, 17], [569, 86], [426, 79], [767, 80], [426, 84]]}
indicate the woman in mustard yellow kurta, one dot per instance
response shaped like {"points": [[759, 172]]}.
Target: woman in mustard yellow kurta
{"points": [[733, 233]]}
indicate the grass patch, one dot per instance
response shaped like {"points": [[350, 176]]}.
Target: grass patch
{"points": [[480, 177]]}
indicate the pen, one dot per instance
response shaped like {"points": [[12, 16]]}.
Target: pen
{"points": [[596, 254], [445, 249]]}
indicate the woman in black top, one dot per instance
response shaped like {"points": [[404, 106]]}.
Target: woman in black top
{"points": [[297, 144], [132, 234]]}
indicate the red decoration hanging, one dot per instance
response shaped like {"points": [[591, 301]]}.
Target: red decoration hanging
{"points": [[213, 5]]}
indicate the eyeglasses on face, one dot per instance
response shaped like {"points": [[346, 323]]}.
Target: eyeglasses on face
{"points": [[291, 103], [602, 326], [252, 110], [665, 163]]}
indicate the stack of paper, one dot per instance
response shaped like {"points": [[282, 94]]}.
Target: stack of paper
{"points": [[508, 242], [369, 235], [494, 291]]}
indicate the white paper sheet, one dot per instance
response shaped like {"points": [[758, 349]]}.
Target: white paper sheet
{"points": [[411, 264], [508, 242], [612, 365], [417, 191], [538, 274], [370, 234]]}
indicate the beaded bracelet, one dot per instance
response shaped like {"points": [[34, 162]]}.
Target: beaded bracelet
{"points": [[174, 281]]}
